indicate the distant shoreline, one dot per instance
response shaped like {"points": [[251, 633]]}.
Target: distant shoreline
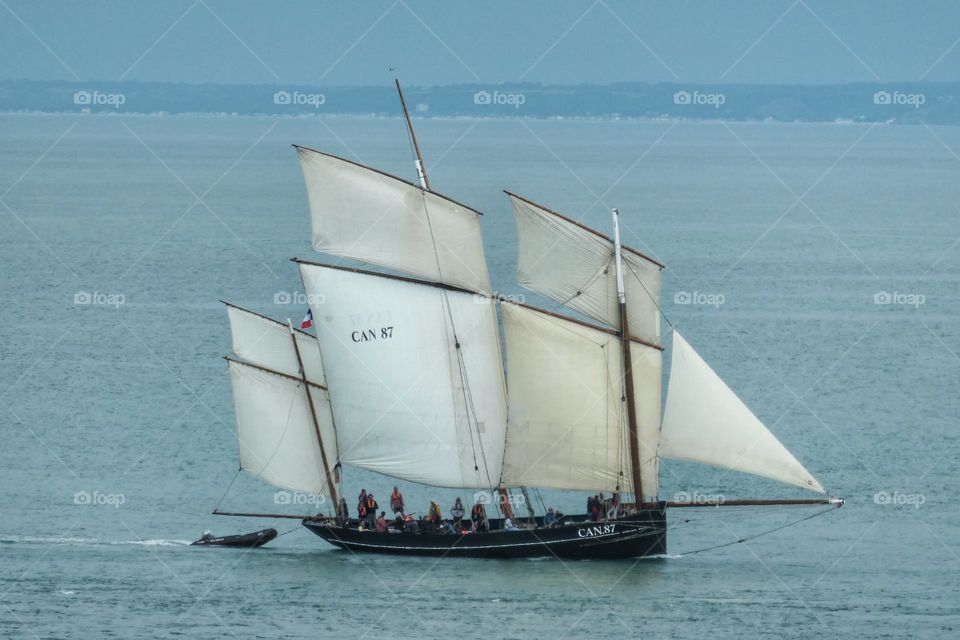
{"points": [[450, 118], [934, 103]]}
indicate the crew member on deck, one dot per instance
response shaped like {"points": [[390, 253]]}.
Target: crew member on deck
{"points": [[362, 505], [614, 509], [551, 519], [593, 508], [509, 526], [396, 502], [478, 515], [372, 507], [382, 522], [362, 512], [457, 513], [434, 516]]}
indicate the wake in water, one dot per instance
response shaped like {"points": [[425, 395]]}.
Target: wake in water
{"points": [[12, 539]]}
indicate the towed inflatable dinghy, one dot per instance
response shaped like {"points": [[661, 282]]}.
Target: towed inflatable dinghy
{"points": [[255, 539]]}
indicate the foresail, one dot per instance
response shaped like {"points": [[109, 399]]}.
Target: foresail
{"points": [[406, 403], [266, 342], [567, 428], [704, 421], [278, 442], [367, 215], [573, 265]]}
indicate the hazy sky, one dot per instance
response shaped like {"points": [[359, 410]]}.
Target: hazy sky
{"points": [[445, 41]]}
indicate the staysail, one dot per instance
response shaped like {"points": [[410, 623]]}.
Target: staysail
{"points": [[364, 214], [573, 265], [567, 426], [704, 421], [415, 375]]}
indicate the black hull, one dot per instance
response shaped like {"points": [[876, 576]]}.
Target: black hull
{"points": [[639, 534], [255, 539]]}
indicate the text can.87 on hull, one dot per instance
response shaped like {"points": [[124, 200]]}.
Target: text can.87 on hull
{"points": [[643, 533]]}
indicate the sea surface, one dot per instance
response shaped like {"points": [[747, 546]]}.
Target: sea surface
{"points": [[822, 269]]}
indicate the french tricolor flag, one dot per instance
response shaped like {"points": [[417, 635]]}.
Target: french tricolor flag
{"points": [[307, 320]]}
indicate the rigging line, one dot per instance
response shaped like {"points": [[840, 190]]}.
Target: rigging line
{"points": [[649, 295], [229, 486], [461, 365], [762, 533], [543, 505], [604, 269]]}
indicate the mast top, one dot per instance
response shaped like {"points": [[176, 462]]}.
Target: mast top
{"points": [[421, 171]]}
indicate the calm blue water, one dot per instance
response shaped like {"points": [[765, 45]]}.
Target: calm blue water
{"points": [[128, 402]]}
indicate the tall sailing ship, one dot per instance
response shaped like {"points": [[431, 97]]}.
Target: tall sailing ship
{"points": [[406, 377]]}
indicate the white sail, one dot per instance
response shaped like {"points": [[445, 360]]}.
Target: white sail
{"points": [[267, 343], [567, 428], [574, 266], [704, 421], [406, 404], [364, 214], [278, 441]]}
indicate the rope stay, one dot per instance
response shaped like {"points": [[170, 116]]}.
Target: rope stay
{"points": [[757, 535]]}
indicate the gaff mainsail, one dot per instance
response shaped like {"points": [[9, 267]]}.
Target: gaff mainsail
{"points": [[567, 427], [281, 440], [415, 375]]}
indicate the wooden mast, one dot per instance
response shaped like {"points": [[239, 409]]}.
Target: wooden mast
{"points": [[627, 368], [421, 171], [316, 423]]}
